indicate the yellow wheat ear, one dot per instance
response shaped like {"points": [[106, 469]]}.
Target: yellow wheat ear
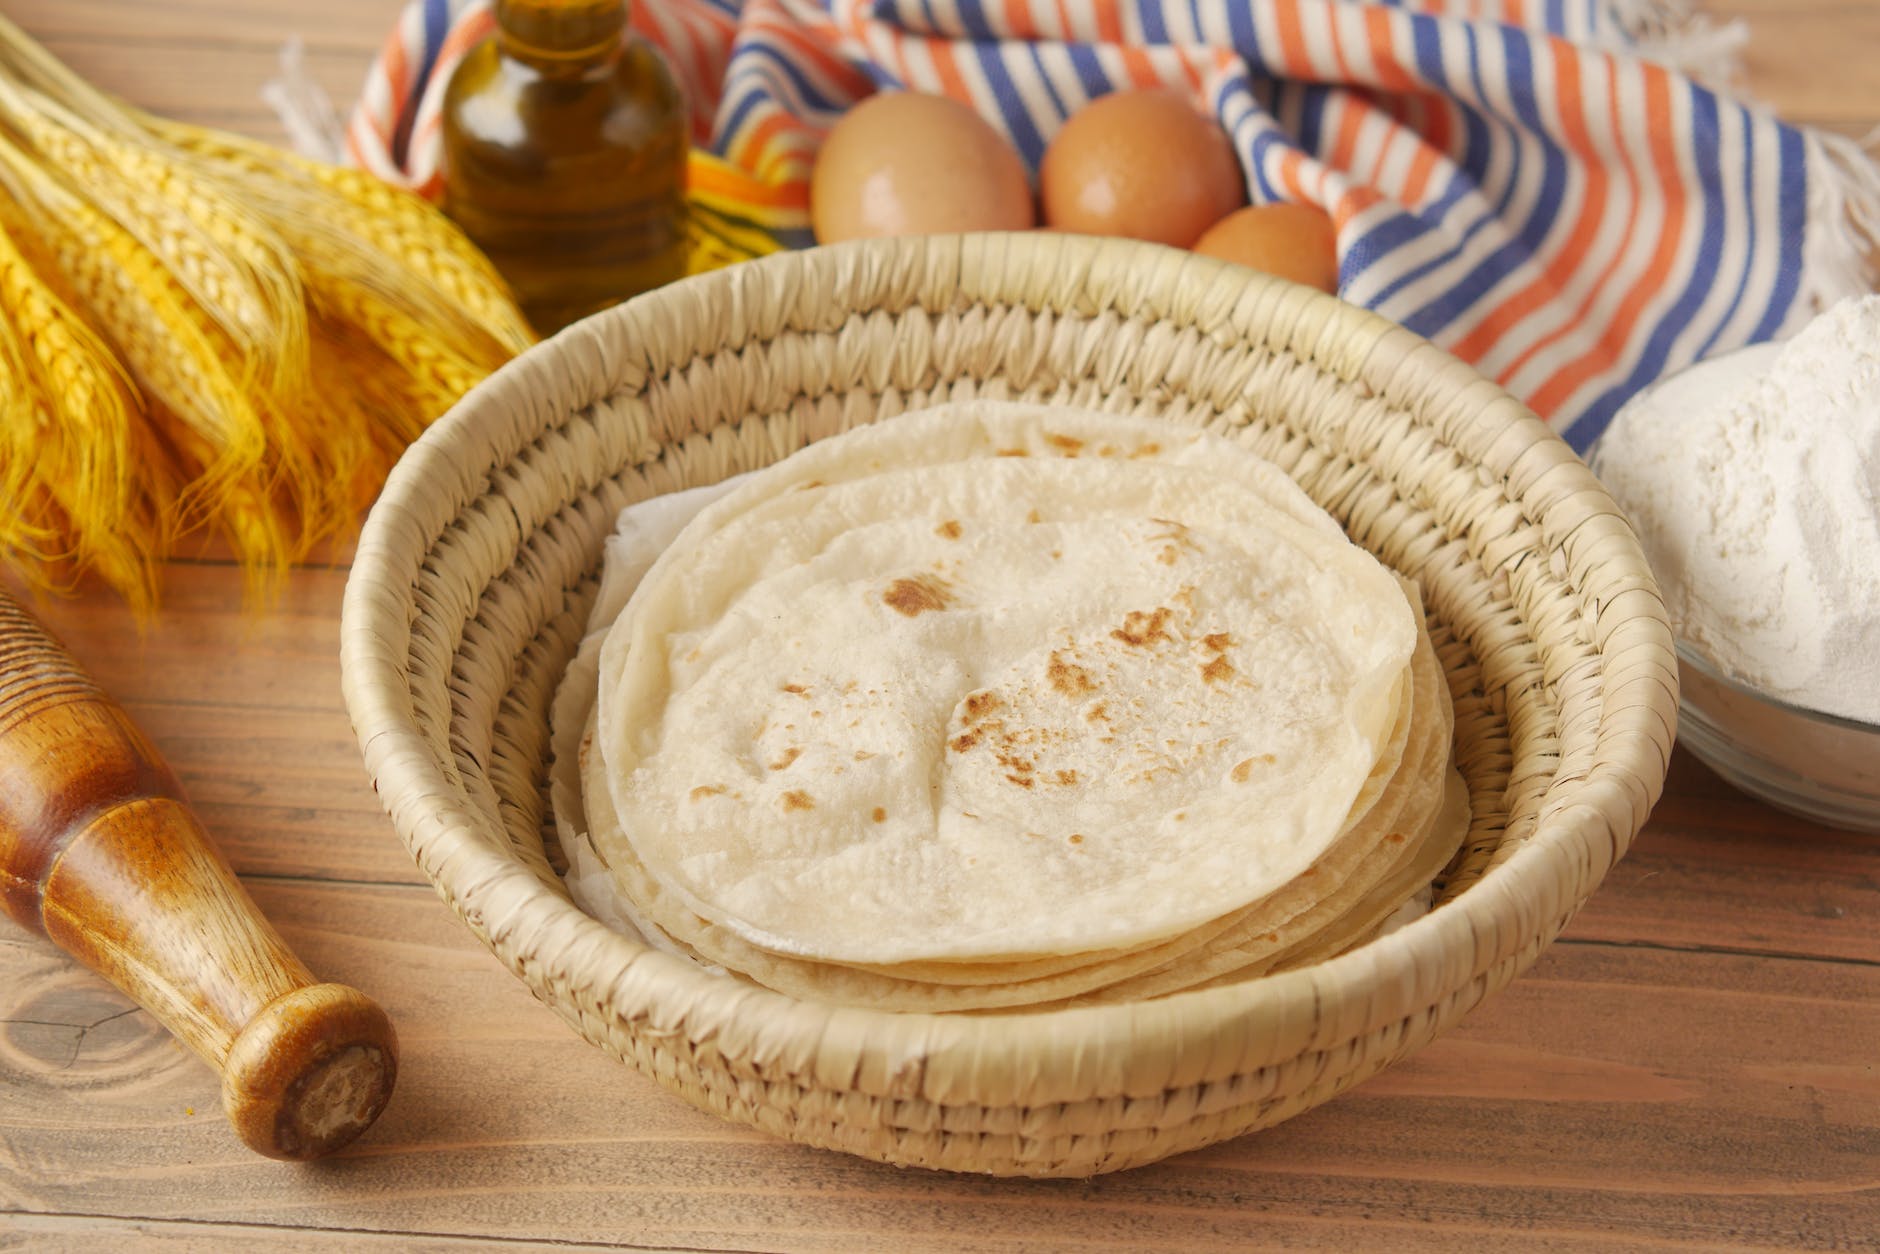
{"points": [[69, 468], [204, 333]]}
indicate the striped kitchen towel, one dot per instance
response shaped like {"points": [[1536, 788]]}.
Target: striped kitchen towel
{"points": [[1547, 188]]}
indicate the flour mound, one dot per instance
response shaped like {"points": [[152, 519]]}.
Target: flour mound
{"points": [[1754, 481]]}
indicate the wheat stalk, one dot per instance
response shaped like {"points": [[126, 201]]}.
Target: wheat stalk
{"points": [[68, 434], [393, 223], [205, 331]]}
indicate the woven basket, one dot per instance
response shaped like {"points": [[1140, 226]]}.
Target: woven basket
{"points": [[475, 573]]}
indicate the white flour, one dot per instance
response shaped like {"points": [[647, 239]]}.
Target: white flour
{"points": [[1754, 481]]}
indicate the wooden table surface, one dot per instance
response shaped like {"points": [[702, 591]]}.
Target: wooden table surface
{"points": [[1692, 1065]]}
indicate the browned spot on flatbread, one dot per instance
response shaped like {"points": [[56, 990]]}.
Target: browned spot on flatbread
{"points": [[964, 741], [797, 799], [1218, 641], [1067, 677], [1144, 627], [1069, 445], [913, 597], [862, 755], [1217, 670], [1395, 838], [789, 755], [1098, 713], [1147, 450], [1242, 772], [1013, 452], [1033, 516], [796, 690], [980, 704], [1023, 781], [1174, 539], [706, 790], [1077, 838], [880, 815], [1067, 778], [948, 530]]}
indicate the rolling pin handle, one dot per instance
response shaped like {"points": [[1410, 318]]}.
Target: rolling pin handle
{"points": [[310, 1072], [101, 853]]}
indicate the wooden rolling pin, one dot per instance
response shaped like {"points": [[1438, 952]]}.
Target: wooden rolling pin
{"points": [[100, 852]]}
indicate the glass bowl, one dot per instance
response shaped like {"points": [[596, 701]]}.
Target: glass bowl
{"points": [[1819, 766]]}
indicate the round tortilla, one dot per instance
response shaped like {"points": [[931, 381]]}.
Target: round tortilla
{"points": [[995, 684], [1400, 798]]}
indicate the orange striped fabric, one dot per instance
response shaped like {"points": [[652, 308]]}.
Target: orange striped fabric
{"points": [[1508, 177]]}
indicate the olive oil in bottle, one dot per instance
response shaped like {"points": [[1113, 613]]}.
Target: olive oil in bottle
{"points": [[564, 157]]}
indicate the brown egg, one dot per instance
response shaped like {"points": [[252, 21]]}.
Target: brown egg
{"points": [[1143, 164], [901, 163], [1295, 242]]}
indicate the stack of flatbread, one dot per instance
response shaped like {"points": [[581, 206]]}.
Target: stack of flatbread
{"points": [[1003, 706]]}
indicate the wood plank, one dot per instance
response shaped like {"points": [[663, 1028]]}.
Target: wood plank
{"points": [[208, 647], [354, 24], [82, 1234], [85, 1234], [209, 84], [1796, 58], [205, 61], [284, 793], [1805, 71], [1714, 868], [1611, 1095]]}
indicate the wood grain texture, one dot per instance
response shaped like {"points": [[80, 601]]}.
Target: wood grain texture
{"points": [[1693, 1067], [206, 60], [1695, 1097], [85, 1234]]}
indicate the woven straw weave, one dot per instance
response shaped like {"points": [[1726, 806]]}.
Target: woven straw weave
{"points": [[475, 573]]}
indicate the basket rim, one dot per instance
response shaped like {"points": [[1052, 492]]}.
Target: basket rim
{"points": [[1314, 1007]]}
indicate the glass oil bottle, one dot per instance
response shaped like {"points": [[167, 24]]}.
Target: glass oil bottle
{"points": [[565, 146]]}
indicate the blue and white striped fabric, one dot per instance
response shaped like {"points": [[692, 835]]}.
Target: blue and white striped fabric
{"points": [[1515, 179]]}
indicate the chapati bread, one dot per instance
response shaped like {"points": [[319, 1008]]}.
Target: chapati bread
{"points": [[1397, 798], [995, 684]]}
